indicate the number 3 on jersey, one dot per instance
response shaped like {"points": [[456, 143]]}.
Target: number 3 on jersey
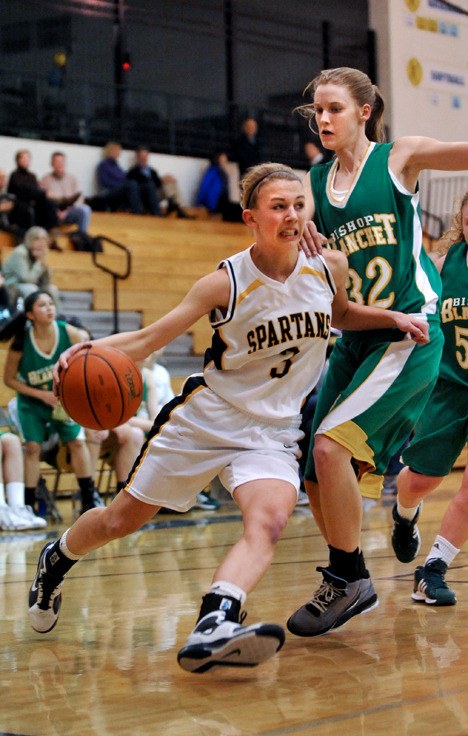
{"points": [[285, 365]]}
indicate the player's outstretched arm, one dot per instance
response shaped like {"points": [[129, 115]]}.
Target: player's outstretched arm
{"points": [[210, 292]]}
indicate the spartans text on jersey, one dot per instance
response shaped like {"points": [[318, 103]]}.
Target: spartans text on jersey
{"points": [[288, 328]]}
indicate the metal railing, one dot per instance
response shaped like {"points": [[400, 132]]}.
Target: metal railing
{"points": [[116, 276]]}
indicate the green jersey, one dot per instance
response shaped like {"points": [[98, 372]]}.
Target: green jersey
{"points": [[35, 367], [377, 225], [454, 315]]}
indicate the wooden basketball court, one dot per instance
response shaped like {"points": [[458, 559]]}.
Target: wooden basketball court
{"points": [[109, 667]]}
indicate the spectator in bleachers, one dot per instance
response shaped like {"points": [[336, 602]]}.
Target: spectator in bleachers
{"points": [[115, 190], [15, 515], [171, 193], [148, 181], [26, 268], [25, 186], [248, 148], [15, 216], [213, 192], [62, 189], [315, 154]]}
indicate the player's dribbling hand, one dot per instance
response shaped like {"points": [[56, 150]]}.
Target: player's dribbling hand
{"points": [[62, 362], [312, 241]]}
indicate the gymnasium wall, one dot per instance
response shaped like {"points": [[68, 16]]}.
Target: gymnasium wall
{"points": [[422, 61]]}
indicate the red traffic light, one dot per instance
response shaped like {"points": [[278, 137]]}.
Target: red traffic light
{"points": [[126, 63]]}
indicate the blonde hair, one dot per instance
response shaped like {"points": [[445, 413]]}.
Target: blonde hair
{"points": [[455, 233], [33, 233], [256, 176], [362, 91]]}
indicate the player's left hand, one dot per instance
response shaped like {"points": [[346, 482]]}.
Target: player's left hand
{"points": [[417, 329], [312, 241]]}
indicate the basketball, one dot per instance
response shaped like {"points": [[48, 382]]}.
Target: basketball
{"points": [[101, 388]]}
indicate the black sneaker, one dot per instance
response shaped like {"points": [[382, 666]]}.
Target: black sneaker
{"points": [[406, 540], [45, 596], [430, 585], [334, 603], [218, 642]]}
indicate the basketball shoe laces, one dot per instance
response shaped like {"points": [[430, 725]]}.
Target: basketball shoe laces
{"points": [[324, 596], [47, 590]]}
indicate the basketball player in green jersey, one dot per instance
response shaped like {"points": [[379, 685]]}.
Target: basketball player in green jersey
{"points": [[38, 340], [365, 203], [442, 430]]}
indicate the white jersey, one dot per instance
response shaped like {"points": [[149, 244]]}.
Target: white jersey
{"points": [[269, 350]]}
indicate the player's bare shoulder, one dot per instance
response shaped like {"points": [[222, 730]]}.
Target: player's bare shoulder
{"points": [[336, 262], [338, 265]]}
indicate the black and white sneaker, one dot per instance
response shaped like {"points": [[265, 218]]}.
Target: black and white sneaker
{"points": [[45, 596], [406, 540], [430, 585], [216, 641]]}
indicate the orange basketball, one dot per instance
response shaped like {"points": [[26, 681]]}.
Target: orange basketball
{"points": [[101, 387]]}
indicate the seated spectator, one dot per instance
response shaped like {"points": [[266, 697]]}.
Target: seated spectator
{"points": [[149, 407], [24, 185], [119, 447], [213, 192], [170, 192], [5, 305], [115, 190], [248, 149], [62, 189], [15, 216], [26, 270], [162, 379], [148, 181], [15, 515], [315, 154]]}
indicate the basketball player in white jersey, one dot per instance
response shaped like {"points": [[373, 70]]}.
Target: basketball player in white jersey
{"points": [[271, 310]]}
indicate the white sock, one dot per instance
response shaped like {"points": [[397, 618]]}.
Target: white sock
{"points": [[64, 549], [407, 514], [222, 587], [442, 549], [15, 494], [2, 495]]}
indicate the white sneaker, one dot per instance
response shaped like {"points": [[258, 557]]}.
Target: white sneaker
{"points": [[302, 499], [27, 514], [9, 521], [217, 642]]}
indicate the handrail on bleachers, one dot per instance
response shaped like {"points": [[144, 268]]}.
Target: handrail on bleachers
{"points": [[116, 275]]}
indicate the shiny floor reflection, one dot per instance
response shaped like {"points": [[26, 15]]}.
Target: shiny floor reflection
{"points": [[109, 667]]}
